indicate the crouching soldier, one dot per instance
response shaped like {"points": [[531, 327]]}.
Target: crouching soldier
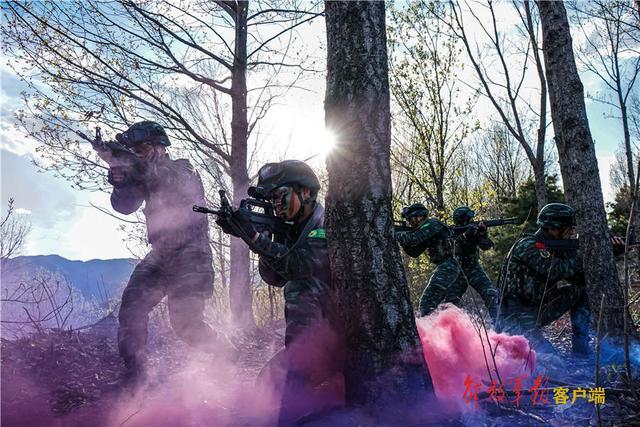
{"points": [[298, 262], [179, 264], [467, 249], [446, 283], [539, 285]]}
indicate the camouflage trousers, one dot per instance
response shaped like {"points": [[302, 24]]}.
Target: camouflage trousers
{"points": [[447, 284], [527, 318], [306, 303], [313, 347], [185, 276], [478, 279]]}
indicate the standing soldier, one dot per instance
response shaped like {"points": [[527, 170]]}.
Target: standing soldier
{"points": [[539, 285], [299, 262], [179, 264], [446, 283], [467, 249]]}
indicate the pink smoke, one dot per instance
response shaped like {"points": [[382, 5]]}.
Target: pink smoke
{"points": [[212, 391], [453, 349]]}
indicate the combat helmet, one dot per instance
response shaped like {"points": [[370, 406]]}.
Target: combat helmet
{"points": [[287, 172], [461, 214], [416, 209], [145, 131], [556, 215]]}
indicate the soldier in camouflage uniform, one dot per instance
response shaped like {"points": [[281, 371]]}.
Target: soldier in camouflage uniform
{"points": [[179, 264], [299, 262], [468, 244], [540, 285], [446, 283]]}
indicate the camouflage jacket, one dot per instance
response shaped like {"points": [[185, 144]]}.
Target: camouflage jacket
{"points": [[432, 236], [169, 188], [468, 249], [531, 270], [308, 262]]}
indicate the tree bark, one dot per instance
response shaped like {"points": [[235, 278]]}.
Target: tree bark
{"points": [[579, 166], [385, 367], [540, 183], [240, 295]]}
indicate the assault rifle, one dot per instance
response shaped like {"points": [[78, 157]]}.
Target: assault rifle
{"points": [[401, 226], [259, 212], [113, 152], [572, 245], [489, 223]]}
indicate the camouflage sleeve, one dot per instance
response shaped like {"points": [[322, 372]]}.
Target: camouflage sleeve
{"points": [[300, 263], [409, 239], [126, 198], [413, 251], [484, 241], [269, 275], [544, 263]]}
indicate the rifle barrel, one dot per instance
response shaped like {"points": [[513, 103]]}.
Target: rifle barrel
{"points": [[203, 209]]}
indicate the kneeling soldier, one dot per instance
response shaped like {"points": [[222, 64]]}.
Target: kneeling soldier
{"points": [[540, 285]]}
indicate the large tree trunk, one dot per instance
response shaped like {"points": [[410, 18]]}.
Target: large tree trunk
{"points": [[540, 181], [579, 165], [385, 367], [240, 295]]}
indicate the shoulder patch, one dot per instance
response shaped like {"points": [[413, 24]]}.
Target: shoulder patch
{"points": [[318, 233]]}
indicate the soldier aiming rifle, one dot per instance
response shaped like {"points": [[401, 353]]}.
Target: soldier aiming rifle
{"points": [[179, 264], [290, 239], [470, 238]]}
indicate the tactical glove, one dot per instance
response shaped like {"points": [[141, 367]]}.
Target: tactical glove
{"points": [[226, 227], [247, 230]]}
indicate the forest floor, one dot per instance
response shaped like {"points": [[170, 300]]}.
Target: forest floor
{"points": [[64, 378]]}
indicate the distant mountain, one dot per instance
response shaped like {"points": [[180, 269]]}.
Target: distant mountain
{"points": [[86, 276]]}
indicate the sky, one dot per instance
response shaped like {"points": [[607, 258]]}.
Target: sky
{"points": [[64, 222]]}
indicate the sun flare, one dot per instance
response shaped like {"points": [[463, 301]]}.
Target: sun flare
{"points": [[324, 142]]}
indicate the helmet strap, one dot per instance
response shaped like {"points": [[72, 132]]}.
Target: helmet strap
{"points": [[303, 204]]}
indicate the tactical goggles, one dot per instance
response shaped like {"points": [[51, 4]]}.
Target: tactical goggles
{"points": [[407, 212], [135, 136], [279, 195], [565, 220]]}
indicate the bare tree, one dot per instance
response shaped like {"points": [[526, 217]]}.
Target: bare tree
{"points": [[611, 51], [434, 113], [385, 367], [500, 160], [14, 230], [205, 70], [502, 65], [579, 166]]}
